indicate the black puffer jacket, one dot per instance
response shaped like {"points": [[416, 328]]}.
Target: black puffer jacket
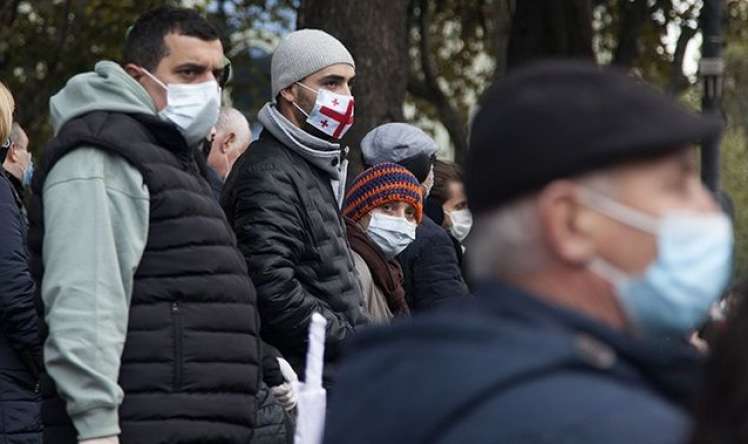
{"points": [[20, 345], [431, 270], [291, 233]]}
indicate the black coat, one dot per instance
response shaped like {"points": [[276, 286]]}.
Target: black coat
{"points": [[431, 271], [508, 368], [20, 345], [290, 230]]}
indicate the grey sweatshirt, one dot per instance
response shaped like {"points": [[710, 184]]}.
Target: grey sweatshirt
{"points": [[96, 211]]}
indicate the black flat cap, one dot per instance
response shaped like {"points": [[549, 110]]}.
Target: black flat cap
{"points": [[561, 119]]}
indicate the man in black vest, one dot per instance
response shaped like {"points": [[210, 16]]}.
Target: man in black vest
{"points": [[283, 198], [152, 328]]}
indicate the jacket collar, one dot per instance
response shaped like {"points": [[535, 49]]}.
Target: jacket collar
{"points": [[320, 153], [669, 366]]}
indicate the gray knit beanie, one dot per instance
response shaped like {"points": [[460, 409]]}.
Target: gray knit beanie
{"points": [[302, 53]]}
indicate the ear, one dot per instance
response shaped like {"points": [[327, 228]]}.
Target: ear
{"points": [[134, 71], [228, 141], [565, 224], [289, 93]]}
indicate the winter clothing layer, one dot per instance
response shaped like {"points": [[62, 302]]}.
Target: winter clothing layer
{"points": [[431, 271], [287, 221], [509, 368]]}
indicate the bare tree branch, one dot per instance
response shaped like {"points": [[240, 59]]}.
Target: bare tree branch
{"points": [[429, 89], [632, 15], [678, 80]]}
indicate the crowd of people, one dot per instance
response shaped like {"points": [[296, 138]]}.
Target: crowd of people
{"points": [[159, 271]]}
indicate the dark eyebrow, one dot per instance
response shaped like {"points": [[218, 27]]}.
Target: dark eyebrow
{"points": [[194, 66], [332, 78]]}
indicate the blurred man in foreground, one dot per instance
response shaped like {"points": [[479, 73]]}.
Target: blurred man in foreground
{"points": [[596, 250]]}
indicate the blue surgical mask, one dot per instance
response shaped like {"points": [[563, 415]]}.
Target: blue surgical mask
{"points": [[28, 174], [692, 268]]}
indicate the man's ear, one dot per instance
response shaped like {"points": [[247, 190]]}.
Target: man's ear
{"points": [[565, 224], [12, 155], [228, 141], [289, 94], [134, 71]]}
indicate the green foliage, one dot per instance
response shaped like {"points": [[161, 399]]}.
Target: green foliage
{"points": [[44, 43]]}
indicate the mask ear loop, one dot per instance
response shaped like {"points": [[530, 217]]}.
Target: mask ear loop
{"points": [[619, 212], [161, 84]]}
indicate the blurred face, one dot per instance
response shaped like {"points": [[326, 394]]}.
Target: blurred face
{"points": [[456, 200], [395, 209], [19, 157], [336, 78], [575, 233], [654, 187], [188, 60]]}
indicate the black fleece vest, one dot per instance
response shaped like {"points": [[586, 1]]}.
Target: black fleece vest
{"points": [[190, 366]]}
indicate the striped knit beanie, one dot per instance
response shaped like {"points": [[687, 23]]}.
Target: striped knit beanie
{"points": [[381, 184]]}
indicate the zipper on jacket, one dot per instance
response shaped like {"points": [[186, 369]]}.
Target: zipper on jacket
{"points": [[176, 317]]}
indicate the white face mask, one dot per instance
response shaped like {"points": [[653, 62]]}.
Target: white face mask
{"points": [[332, 113], [192, 107], [462, 222], [674, 294], [391, 234]]}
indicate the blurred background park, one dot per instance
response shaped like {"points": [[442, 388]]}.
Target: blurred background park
{"points": [[423, 61]]}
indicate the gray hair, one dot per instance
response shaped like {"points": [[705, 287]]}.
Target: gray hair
{"points": [[508, 241], [505, 241], [17, 133], [230, 119]]}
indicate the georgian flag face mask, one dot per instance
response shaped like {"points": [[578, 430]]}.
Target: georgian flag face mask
{"points": [[332, 113]]}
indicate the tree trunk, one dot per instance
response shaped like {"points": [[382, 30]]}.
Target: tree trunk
{"points": [[375, 32], [550, 28]]}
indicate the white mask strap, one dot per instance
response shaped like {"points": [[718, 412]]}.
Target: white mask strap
{"points": [[310, 89], [146, 72], [300, 109], [620, 212]]}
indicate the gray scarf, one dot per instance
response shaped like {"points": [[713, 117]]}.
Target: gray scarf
{"points": [[320, 153]]}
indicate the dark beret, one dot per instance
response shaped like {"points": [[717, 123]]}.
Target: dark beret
{"points": [[558, 119]]}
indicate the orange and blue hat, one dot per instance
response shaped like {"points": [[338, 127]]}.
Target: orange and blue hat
{"points": [[382, 184]]}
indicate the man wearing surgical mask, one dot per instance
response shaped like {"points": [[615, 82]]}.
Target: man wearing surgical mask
{"points": [[152, 329], [447, 205], [596, 251], [18, 165], [383, 207], [283, 199]]}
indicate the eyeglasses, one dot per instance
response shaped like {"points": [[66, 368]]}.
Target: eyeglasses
{"points": [[6, 145]]}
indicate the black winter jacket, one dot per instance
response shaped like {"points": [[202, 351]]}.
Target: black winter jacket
{"points": [[289, 228], [431, 270], [20, 345], [509, 368]]}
